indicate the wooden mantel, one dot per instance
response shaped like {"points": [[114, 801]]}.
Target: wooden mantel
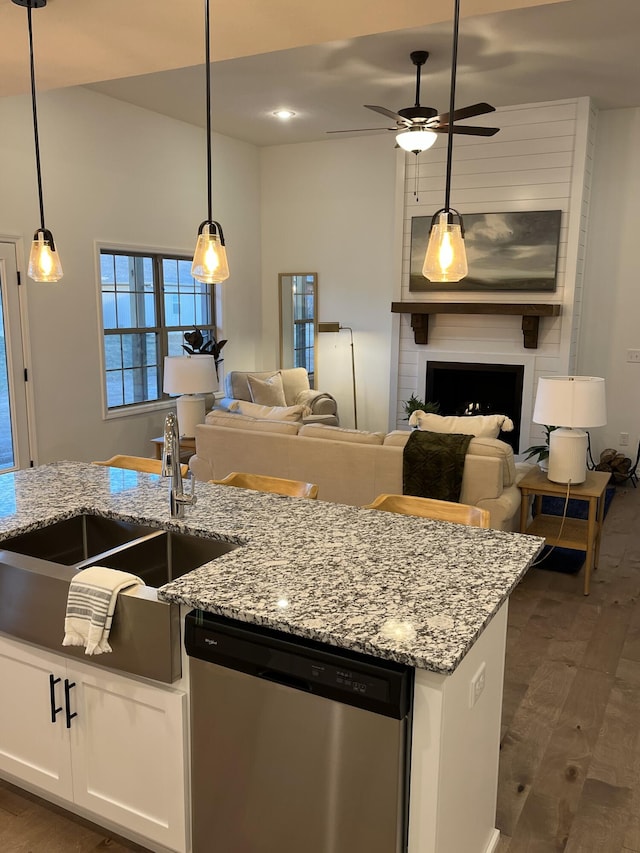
{"points": [[530, 313]]}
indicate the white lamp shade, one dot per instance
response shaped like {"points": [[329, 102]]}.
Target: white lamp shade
{"points": [[570, 401], [189, 374]]}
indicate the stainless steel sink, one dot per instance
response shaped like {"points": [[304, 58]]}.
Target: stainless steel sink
{"points": [[157, 556], [163, 556], [37, 567], [75, 539]]}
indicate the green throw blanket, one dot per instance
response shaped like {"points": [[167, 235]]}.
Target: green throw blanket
{"points": [[432, 464]]}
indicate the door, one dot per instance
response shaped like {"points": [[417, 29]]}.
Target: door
{"points": [[33, 748], [14, 423], [128, 753]]}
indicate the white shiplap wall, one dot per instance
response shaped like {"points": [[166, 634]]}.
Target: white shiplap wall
{"points": [[540, 160]]}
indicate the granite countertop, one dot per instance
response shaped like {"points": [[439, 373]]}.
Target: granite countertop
{"points": [[407, 589]]}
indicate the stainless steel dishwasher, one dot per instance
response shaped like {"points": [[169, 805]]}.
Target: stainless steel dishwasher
{"points": [[297, 747]]}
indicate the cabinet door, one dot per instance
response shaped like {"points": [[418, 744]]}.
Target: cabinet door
{"points": [[128, 746], [33, 748]]}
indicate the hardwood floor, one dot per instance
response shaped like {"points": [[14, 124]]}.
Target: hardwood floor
{"points": [[570, 756]]}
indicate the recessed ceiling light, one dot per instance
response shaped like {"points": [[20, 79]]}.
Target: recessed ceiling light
{"points": [[283, 114]]}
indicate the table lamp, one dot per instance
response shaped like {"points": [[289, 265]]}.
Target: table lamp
{"points": [[191, 376], [569, 402]]}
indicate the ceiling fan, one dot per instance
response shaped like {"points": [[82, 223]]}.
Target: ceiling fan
{"points": [[417, 126]]}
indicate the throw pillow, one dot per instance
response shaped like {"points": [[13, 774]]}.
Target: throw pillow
{"points": [[267, 392], [276, 413], [488, 426]]}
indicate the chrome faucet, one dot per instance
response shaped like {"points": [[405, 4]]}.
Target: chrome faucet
{"points": [[171, 468]]}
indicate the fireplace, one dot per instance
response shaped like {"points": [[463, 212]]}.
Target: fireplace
{"points": [[467, 388]]}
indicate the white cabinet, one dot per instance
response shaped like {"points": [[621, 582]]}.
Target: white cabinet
{"points": [[114, 746], [32, 747]]}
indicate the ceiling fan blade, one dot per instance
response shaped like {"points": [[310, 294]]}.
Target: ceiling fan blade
{"points": [[360, 129], [468, 112], [468, 129], [385, 112]]}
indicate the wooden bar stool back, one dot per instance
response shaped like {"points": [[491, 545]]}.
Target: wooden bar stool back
{"points": [[138, 463], [432, 508], [264, 483]]}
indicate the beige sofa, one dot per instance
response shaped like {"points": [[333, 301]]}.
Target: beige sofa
{"points": [[349, 466], [295, 385]]}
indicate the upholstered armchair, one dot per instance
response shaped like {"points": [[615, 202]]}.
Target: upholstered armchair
{"points": [[282, 388]]}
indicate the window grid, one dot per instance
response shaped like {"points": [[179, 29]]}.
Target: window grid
{"points": [[139, 326]]}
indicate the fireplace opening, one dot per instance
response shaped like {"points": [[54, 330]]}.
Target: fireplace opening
{"points": [[462, 389]]}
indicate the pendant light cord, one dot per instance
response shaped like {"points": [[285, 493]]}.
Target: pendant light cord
{"points": [[452, 100], [207, 54], [35, 118]]}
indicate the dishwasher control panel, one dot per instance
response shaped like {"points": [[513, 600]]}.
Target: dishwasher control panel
{"points": [[299, 663]]}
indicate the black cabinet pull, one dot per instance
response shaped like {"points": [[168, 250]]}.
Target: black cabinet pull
{"points": [[52, 696], [67, 699]]}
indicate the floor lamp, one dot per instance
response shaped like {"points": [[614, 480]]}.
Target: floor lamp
{"points": [[336, 327]]}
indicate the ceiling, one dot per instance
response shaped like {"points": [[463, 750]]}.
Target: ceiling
{"points": [[325, 67]]}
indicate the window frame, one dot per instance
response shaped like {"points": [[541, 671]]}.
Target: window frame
{"points": [[157, 255]]}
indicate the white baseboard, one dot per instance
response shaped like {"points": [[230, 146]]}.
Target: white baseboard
{"points": [[492, 846]]}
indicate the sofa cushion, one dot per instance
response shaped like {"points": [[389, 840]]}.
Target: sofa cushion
{"points": [[396, 438], [356, 436], [238, 421], [267, 392], [478, 425], [481, 446], [226, 418], [276, 413]]}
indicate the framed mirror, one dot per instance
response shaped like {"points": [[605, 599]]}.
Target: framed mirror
{"points": [[298, 297]]}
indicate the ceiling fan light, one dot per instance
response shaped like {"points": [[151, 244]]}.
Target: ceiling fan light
{"points": [[416, 139], [44, 263], [446, 257]]}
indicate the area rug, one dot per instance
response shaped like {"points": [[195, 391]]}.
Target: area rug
{"points": [[567, 560]]}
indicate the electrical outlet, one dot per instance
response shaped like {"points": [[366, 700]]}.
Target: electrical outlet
{"points": [[624, 439], [633, 355], [476, 685]]}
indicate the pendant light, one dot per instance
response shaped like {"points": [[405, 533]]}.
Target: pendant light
{"points": [[210, 257], [44, 263], [446, 258]]}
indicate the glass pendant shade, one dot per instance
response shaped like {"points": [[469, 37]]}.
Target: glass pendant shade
{"points": [[446, 257], [210, 257], [416, 140], [44, 263]]}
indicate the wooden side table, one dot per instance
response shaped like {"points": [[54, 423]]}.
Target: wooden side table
{"points": [[577, 533], [187, 447]]}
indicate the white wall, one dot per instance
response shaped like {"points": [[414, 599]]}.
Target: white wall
{"points": [[540, 160], [329, 207], [611, 311], [116, 173]]}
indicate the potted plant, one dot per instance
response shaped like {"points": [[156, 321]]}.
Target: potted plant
{"points": [[415, 404], [540, 452], [197, 346]]}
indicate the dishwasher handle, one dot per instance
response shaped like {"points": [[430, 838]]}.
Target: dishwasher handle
{"points": [[285, 679]]}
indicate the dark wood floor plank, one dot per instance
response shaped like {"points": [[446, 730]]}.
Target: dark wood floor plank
{"points": [[527, 738], [600, 826], [548, 813], [607, 639]]}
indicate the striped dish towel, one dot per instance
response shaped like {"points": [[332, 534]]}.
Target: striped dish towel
{"points": [[91, 603]]}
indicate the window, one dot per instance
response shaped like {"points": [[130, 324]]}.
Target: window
{"points": [[148, 302]]}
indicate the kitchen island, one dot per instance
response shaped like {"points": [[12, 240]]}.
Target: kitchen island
{"points": [[424, 593]]}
